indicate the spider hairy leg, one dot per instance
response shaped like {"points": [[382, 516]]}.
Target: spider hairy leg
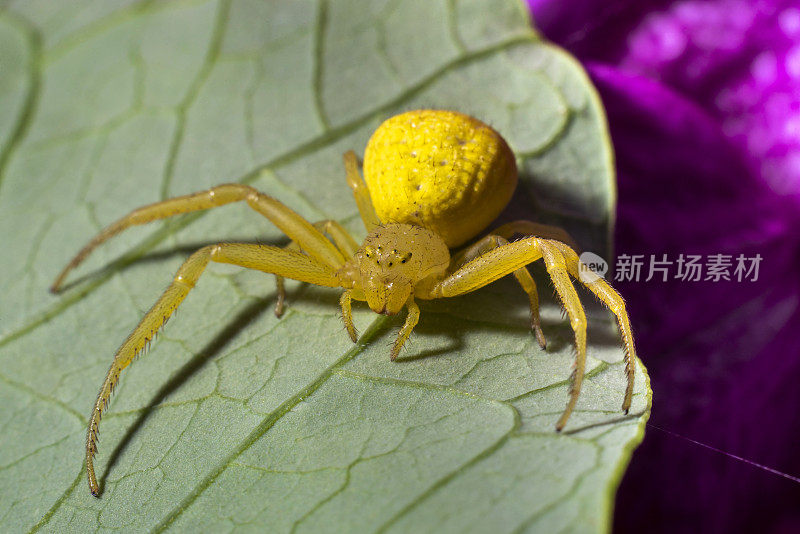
{"points": [[506, 259], [614, 301], [280, 302], [486, 268], [292, 224], [286, 263], [530, 228], [411, 321], [525, 280], [341, 237], [555, 264], [601, 289], [347, 314], [522, 275], [343, 240], [360, 191]]}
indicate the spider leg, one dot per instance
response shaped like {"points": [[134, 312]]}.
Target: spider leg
{"points": [[347, 314], [614, 301], [506, 259], [341, 237], [557, 269], [530, 228], [522, 275], [265, 258], [360, 191], [411, 321], [280, 302], [485, 269], [296, 227]]}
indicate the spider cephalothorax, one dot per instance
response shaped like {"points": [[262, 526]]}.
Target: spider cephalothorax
{"points": [[395, 261], [434, 179]]}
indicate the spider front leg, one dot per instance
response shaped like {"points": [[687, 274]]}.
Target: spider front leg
{"points": [[292, 224], [556, 268], [408, 326], [405, 331], [265, 258], [609, 296], [506, 259], [345, 302], [601, 289], [341, 237], [522, 275]]}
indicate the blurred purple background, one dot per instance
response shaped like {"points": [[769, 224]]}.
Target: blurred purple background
{"points": [[703, 102]]}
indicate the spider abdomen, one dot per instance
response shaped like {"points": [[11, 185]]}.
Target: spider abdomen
{"points": [[442, 170]]}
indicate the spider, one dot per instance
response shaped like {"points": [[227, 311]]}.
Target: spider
{"points": [[433, 179]]}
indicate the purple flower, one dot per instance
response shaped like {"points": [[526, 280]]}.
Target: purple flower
{"points": [[703, 101]]}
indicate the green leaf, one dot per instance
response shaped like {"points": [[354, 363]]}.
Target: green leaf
{"points": [[235, 419]]}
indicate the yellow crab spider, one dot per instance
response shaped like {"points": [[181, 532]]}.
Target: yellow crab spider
{"points": [[433, 180]]}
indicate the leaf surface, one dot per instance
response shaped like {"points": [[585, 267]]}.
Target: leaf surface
{"points": [[237, 420]]}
